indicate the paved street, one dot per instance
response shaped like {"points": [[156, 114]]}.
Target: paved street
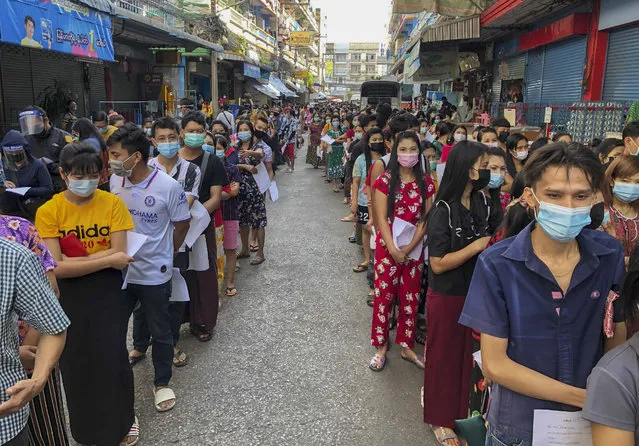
{"points": [[288, 363]]}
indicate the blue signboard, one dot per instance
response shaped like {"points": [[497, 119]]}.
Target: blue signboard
{"points": [[57, 25], [251, 70]]}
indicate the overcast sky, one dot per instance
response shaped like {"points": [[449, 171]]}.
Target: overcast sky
{"points": [[355, 20]]}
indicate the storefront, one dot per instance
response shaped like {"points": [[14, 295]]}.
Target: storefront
{"points": [[621, 75], [555, 61], [47, 48]]}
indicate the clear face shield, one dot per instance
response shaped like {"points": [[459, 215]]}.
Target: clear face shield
{"points": [[14, 157], [31, 122]]}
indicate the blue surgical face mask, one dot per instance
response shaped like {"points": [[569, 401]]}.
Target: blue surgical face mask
{"points": [[244, 136], [496, 180], [433, 166], [336, 124], [83, 188], [562, 224], [220, 154], [168, 149], [626, 192], [208, 148]]}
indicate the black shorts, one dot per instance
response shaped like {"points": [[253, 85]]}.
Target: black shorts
{"points": [[362, 214]]}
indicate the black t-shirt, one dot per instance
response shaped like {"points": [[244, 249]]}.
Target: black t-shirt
{"points": [[215, 175], [452, 227]]}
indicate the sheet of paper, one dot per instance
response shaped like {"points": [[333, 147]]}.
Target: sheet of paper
{"points": [[430, 137], [403, 233], [440, 172], [179, 290], [134, 242], [327, 139], [320, 153], [477, 358], [555, 428], [261, 178], [199, 255], [200, 220], [273, 192], [18, 190]]}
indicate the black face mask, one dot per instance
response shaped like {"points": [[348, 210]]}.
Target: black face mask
{"points": [[378, 147], [503, 136], [260, 134], [596, 216], [483, 180], [276, 114]]}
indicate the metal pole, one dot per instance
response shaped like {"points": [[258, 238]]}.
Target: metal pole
{"points": [[214, 92]]}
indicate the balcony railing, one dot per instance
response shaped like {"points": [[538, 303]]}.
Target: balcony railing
{"points": [[246, 28], [161, 12], [306, 10]]}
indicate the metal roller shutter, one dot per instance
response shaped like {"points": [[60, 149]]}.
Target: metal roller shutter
{"points": [[496, 87], [621, 81], [16, 81], [564, 71], [97, 87], [534, 75], [50, 66], [516, 66]]}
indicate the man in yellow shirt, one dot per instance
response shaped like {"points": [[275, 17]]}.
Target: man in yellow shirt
{"points": [[101, 121]]}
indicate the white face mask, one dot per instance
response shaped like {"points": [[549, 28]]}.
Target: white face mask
{"points": [[459, 137], [521, 155]]}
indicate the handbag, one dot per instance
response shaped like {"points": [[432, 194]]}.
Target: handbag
{"points": [[473, 429]]}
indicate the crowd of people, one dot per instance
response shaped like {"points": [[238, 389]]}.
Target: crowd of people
{"points": [[121, 221], [513, 261]]}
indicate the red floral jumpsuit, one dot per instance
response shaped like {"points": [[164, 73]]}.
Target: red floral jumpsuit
{"points": [[401, 280]]}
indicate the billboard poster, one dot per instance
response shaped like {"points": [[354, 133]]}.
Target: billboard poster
{"points": [[57, 25], [300, 38]]}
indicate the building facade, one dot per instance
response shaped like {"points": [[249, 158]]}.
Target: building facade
{"points": [[354, 63]]}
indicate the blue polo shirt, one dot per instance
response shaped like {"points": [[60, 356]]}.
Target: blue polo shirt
{"points": [[513, 295]]}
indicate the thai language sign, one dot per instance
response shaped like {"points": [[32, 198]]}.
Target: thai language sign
{"points": [[57, 25]]}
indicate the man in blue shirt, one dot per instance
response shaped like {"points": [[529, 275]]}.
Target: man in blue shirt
{"points": [[539, 299]]}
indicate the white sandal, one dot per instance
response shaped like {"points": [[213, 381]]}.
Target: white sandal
{"points": [[161, 396], [133, 432]]}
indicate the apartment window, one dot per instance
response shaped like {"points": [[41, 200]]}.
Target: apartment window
{"points": [[355, 56], [355, 69], [370, 57], [370, 69], [340, 58]]}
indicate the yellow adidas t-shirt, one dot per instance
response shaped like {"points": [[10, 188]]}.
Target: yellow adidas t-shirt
{"points": [[92, 223]]}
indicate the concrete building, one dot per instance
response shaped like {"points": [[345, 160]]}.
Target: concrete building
{"points": [[354, 63]]}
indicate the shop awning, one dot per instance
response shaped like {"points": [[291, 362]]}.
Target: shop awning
{"points": [[279, 85], [293, 86], [460, 29], [453, 8], [266, 89], [100, 5]]}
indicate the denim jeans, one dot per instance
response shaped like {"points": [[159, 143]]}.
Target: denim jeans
{"points": [[152, 317], [496, 438]]}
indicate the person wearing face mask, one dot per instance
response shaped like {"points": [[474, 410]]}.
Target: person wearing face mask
{"points": [[314, 134], [335, 170], [423, 129], [288, 134], [251, 205], [230, 213], [459, 228], [269, 147], [430, 155], [502, 127], [630, 136], [567, 277], [403, 192], [69, 118], [85, 229], [101, 121], [226, 117], [147, 126], [458, 134], [443, 131], [21, 169], [608, 150], [497, 167], [203, 285], [86, 131], [517, 152], [45, 141], [621, 192]]}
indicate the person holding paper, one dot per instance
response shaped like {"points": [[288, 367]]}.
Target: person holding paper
{"points": [[402, 193], [92, 224], [545, 300], [459, 227], [335, 167], [251, 205], [22, 170], [159, 208]]}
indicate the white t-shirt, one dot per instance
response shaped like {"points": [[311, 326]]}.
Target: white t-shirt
{"points": [[155, 204], [184, 172]]}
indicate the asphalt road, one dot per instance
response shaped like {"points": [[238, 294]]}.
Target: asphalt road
{"points": [[288, 363]]}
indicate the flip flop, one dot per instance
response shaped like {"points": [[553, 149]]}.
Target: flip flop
{"points": [[254, 248], [444, 436], [350, 219], [133, 360], [180, 359], [352, 239], [417, 360], [134, 432], [361, 268], [257, 260], [370, 299], [377, 363], [231, 291]]}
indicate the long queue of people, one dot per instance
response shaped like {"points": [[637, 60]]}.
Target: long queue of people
{"points": [[517, 268], [124, 221]]}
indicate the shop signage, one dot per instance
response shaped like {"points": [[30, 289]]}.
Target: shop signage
{"points": [[251, 70], [300, 38], [301, 74], [57, 25], [436, 66]]}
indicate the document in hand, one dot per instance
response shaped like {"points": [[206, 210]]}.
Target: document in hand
{"points": [[327, 139], [200, 220], [554, 427], [403, 233], [261, 178]]}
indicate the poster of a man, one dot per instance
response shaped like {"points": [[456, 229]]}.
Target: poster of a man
{"points": [[28, 40]]}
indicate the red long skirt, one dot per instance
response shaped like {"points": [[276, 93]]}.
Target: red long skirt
{"points": [[448, 361]]}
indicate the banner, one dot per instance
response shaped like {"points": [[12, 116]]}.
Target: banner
{"points": [[300, 38], [251, 70], [451, 8], [302, 74], [57, 25], [436, 66]]}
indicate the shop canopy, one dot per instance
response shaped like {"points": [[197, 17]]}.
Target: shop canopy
{"points": [[277, 83], [267, 90]]}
